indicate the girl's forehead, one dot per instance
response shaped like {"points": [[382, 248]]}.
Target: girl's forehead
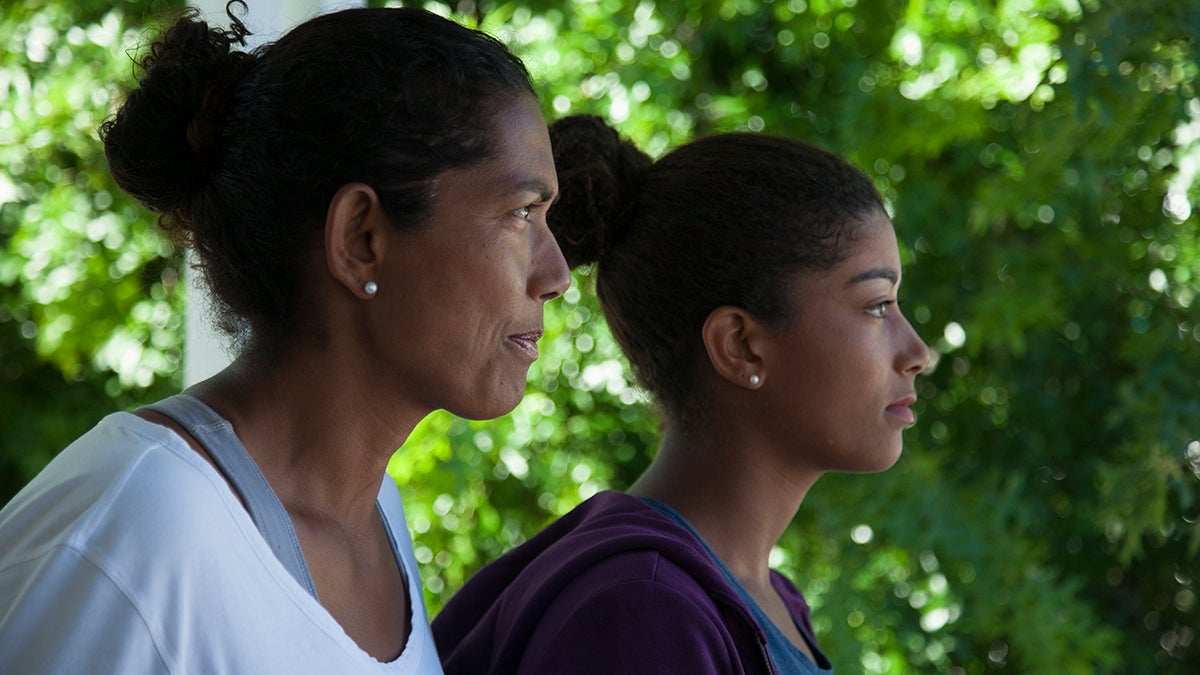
{"points": [[869, 253], [873, 246]]}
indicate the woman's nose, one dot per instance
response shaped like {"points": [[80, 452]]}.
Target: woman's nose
{"points": [[551, 276]]}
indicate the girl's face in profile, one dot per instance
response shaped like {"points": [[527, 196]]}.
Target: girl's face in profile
{"points": [[843, 367], [464, 303]]}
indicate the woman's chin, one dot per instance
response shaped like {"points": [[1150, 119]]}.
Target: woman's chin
{"points": [[498, 404]]}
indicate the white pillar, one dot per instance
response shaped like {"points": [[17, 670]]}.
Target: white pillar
{"points": [[204, 348]]}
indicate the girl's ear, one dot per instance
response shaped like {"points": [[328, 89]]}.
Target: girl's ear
{"points": [[734, 341], [353, 238]]}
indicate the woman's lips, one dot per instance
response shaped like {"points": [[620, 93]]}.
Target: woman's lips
{"points": [[527, 343]]}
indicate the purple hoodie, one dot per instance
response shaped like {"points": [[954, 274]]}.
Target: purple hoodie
{"points": [[614, 586]]}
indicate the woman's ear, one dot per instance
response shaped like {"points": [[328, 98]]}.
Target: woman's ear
{"points": [[733, 339], [353, 240]]}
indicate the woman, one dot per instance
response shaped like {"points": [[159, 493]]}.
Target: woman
{"points": [[751, 281], [367, 199]]}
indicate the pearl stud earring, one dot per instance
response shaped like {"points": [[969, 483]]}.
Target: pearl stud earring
{"points": [[370, 288], [755, 379]]}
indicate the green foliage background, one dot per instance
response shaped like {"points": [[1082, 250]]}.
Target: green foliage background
{"points": [[1040, 158]]}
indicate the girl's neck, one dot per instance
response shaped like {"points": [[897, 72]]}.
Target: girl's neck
{"points": [[724, 482]]}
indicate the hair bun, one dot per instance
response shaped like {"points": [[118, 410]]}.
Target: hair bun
{"points": [[164, 141], [598, 173]]}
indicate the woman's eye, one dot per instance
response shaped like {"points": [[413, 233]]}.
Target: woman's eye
{"points": [[880, 310], [523, 212]]}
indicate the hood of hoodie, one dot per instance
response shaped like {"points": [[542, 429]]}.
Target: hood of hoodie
{"points": [[487, 624]]}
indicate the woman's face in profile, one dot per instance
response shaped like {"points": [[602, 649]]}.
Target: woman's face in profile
{"points": [[464, 301], [845, 364]]}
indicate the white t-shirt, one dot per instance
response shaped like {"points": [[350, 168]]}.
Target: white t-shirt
{"points": [[130, 554]]}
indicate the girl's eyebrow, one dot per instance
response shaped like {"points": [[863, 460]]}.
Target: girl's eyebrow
{"points": [[874, 273]]}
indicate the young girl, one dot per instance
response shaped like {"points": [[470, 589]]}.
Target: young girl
{"points": [[751, 281]]}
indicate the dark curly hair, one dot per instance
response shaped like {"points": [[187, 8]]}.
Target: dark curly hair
{"points": [[724, 220], [240, 153]]}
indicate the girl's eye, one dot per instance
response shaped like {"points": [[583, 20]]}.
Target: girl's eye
{"points": [[523, 212], [880, 309]]}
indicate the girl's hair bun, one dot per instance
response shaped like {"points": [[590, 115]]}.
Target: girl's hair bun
{"points": [[598, 174], [165, 140]]}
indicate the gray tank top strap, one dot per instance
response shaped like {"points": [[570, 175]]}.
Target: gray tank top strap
{"points": [[215, 435]]}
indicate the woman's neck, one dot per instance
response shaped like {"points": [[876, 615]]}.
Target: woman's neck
{"points": [[314, 429]]}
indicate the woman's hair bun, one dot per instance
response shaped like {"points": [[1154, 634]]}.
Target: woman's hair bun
{"points": [[165, 140], [598, 174]]}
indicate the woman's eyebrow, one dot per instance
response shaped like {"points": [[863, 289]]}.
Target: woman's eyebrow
{"points": [[536, 186], [874, 273]]}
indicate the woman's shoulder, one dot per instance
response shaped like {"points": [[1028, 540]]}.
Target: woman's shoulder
{"points": [[125, 487], [130, 524]]}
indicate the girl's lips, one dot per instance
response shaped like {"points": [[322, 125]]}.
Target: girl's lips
{"points": [[900, 410], [527, 343]]}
